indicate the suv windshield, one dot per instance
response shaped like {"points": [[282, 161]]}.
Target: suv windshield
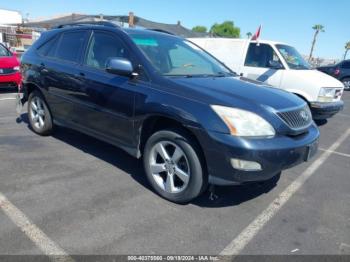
{"points": [[172, 56], [4, 51], [292, 57]]}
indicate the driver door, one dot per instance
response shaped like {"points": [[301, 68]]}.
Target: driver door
{"points": [[263, 64]]}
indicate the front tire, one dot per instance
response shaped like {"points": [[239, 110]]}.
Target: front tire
{"points": [[173, 166], [39, 115]]}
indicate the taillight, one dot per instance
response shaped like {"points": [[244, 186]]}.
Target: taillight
{"points": [[337, 72]]}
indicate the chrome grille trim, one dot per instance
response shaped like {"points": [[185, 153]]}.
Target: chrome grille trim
{"points": [[7, 71], [296, 119]]}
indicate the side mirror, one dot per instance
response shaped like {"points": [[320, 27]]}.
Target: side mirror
{"points": [[119, 66], [275, 64]]}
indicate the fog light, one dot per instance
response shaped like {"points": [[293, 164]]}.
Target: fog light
{"points": [[245, 165]]}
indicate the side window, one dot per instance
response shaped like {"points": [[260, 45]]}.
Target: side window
{"points": [[71, 45], [346, 65], [49, 48], [260, 55], [104, 46]]}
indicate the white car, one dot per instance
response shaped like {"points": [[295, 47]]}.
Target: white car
{"points": [[281, 66]]}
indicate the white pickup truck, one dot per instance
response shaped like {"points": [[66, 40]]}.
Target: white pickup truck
{"points": [[279, 65]]}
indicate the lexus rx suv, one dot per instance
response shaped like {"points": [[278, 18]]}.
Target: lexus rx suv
{"points": [[160, 97]]}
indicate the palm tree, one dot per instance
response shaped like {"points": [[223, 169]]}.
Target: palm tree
{"points": [[249, 35], [318, 29], [347, 47]]}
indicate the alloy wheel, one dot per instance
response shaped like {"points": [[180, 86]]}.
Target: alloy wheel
{"points": [[169, 167], [37, 112]]}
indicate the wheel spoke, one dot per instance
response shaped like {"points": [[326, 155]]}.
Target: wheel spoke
{"points": [[177, 155], [169, 184], [36, 118], [182, 175], [162, 151], [157, 168], [41, 121], [34, 107]]}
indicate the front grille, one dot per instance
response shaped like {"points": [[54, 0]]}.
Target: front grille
{"points": [[6, 71], [8, 84], [297, 118]]}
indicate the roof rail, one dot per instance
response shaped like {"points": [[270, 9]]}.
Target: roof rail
{"points": [[161, 31], [102, 23]]}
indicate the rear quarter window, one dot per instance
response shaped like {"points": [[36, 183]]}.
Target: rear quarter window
{"points": [[48, 48]]}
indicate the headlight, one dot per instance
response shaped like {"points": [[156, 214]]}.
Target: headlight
{"points": [[326, 94], [16, 68], [243, 123]]}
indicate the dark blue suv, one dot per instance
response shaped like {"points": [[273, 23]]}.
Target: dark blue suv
{"points": [[163, 98]]}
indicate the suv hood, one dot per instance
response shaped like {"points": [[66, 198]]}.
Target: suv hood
{"points": [[236, 92]]}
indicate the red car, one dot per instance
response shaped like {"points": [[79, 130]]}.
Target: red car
{"points": [[10, 76]]}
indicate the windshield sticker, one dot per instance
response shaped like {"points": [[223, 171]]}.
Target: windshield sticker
{"points": [[145, 41]]}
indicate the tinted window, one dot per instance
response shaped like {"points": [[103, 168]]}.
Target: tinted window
{"points": [[49, 48], [4, 51], [260, 55], [346, 65], [71, 45], [102, 47]]}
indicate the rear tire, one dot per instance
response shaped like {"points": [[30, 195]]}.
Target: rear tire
{"points": [[39, 115], [173, 166], [346, 82]]}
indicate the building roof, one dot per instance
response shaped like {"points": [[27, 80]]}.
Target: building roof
{"points": [[176, 29]]}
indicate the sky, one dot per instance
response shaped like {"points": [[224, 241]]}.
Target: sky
{"points": [[286, 21]]}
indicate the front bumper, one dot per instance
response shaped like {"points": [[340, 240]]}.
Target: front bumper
{"points": [[273, 154], [325, 110], [12, 80]]}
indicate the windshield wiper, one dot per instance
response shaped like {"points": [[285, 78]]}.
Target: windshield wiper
{"points": [[224, 74], [188, 76]]}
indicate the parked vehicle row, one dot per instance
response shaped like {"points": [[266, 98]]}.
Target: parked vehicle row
{"points": [[160, 97], [341, 71], [10, 76], [279, 65]]}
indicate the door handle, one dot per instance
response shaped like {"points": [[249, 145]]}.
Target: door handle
{"points": [[241, 74]]}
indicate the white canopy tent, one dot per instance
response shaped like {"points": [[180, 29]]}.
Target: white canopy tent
{"points": [[10, 17]]}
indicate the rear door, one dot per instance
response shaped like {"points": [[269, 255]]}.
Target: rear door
{"points": [[260, 64], [60, 72]]}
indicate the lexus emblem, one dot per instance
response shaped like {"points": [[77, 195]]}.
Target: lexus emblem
{"points": [[304, 115]]}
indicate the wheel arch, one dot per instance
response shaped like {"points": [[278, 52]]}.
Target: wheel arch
{"points": [[29, 87], [155, 123]]}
